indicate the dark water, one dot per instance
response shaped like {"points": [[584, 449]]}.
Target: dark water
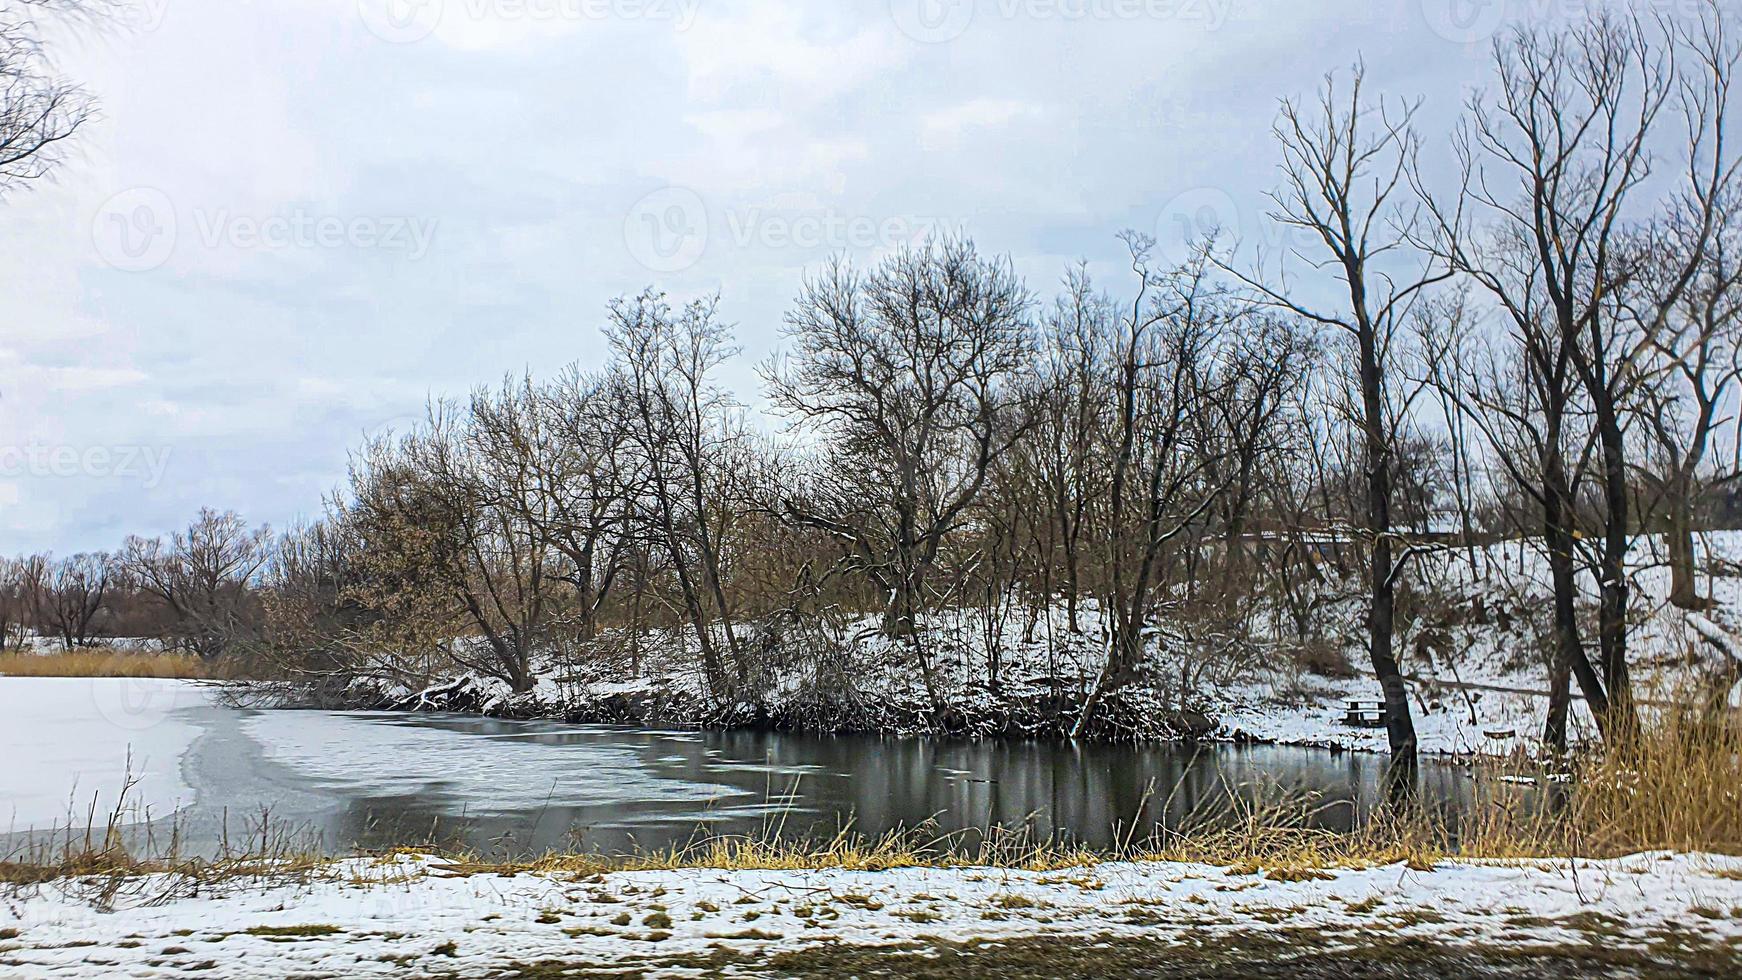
{"points": [[374, 781]]}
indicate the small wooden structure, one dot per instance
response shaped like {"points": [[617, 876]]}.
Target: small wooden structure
{"points": [[1365, 714]]}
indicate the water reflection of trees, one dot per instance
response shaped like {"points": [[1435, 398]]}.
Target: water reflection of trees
{"points": [[960, 791]]}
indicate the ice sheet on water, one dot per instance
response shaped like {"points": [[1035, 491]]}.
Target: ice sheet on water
{"points": [[68, 739], [401, 756]]}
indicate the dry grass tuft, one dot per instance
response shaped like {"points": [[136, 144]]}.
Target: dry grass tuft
{"points": [[1677, 787], [102, 663]]}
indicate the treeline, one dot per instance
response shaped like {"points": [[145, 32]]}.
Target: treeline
{"points": [[195, 591], [1526, 329]]}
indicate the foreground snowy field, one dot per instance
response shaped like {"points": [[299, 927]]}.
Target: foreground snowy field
{"points": [[414, 917]]}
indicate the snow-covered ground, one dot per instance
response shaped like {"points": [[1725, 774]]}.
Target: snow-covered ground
{"points": [[407, 917], [1480, 684]]}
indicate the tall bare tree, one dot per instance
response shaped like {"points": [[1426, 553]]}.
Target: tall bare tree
{"points": [[1074, 399], [681, 430], [1166, 373], [1345, 164], [1555, 159]]}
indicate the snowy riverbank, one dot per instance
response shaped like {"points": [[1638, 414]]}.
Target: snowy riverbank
{"points": [[1470, 639], [410, 917]]}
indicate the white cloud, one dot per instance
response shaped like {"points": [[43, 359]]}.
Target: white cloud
{"points": [[979, 114], [81, 379], [528, 139]]}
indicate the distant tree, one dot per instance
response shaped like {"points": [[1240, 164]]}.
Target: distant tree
{"points": [[1679, 292], [19, 579], [578, 462], [70, 596], [1698, 355], [202, 576]]}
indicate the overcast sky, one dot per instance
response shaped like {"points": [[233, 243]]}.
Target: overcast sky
{"points": [[298, 219]]}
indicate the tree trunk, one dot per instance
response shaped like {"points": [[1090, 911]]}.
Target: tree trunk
{"points": [[1381, 612], [1124, 653], [901, 622], [1569, 652], [1684, 588], [1613, 589], [1072, 584]]}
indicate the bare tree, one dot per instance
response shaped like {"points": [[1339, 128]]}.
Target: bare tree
{"points": [[70, 596], [1075, 400], [1553, 162], [1345, 159], [681, 430], [905, 373], [1166, 373], [579, 466], [1678, 288], [18, 582], [1698, 356], [39, 109], [202, 576]]}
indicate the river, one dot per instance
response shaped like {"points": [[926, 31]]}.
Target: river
{"points": [[371, 780]]}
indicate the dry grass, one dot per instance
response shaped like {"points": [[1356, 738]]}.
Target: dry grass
{"points": [[1678, 786], [846, 851], [118, 857], [102, 663]]}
